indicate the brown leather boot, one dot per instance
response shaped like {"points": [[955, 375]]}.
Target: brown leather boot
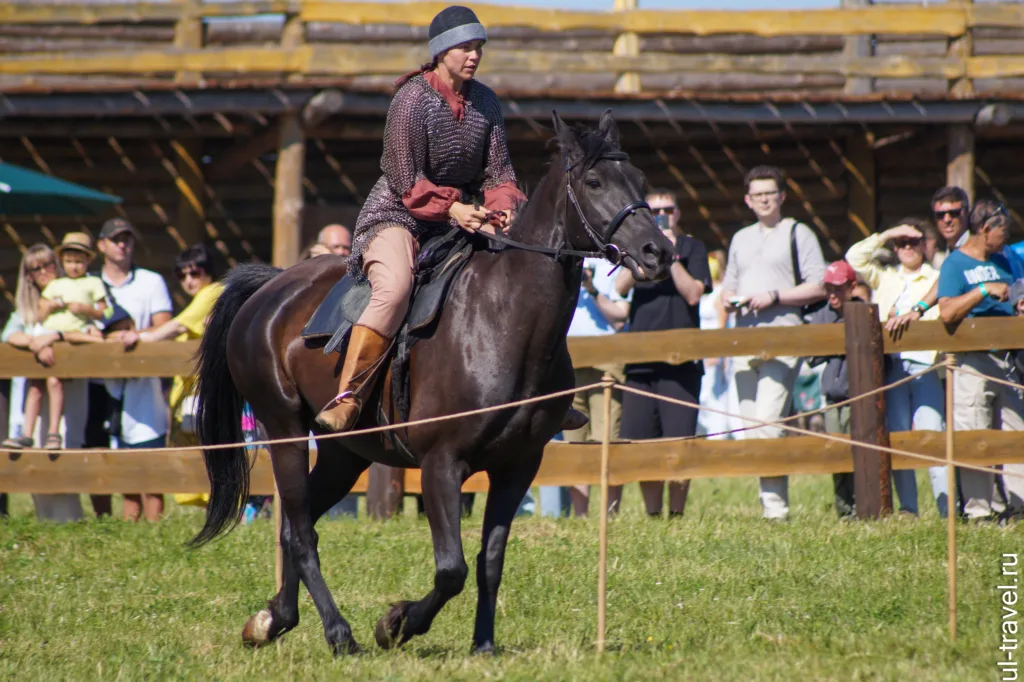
{"points": [[365, 355]]}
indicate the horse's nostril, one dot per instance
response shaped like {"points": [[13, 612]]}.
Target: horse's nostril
{"points": [[652, 253]]}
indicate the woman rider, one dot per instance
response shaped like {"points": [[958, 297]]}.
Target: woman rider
{"points": [[444, 142]]}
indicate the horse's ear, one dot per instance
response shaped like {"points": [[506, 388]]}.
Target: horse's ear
{"points": [[608, 129], [566, 136]]}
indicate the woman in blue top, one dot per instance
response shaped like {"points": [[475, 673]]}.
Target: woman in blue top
{"points": [[975, 282]]}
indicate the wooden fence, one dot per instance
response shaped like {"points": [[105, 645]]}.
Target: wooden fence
{"points": [[949, 45], [563, 463]]}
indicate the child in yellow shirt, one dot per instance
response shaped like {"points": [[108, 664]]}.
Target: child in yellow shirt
{"points": [[71, 304]]}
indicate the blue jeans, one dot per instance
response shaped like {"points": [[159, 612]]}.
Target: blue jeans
{"points": [[916, 406]]}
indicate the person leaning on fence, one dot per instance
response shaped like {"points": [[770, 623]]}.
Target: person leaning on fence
{"points": [[975, 282], [600, 311], [137, 415], [197, 270], [24, 330], [775, 267], [904, 294], [839, 282], [656, 306]]}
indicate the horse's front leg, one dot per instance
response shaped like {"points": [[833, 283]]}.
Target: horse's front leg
{"points": [[506, 492], [442, 498]]}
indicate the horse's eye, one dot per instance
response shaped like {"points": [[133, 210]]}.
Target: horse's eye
{"points": [[593, 184]]}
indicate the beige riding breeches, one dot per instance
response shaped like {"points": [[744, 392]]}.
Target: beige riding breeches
{"points": [[389, 263]]}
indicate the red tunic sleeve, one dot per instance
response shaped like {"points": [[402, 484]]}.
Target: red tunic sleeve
{"points": [[429, 202], [504, 197]]}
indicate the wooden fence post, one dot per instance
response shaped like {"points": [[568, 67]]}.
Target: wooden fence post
{"points": [[188, 35], [857, 47], [384, 491], [627, 45], [289, 200], [866, 362], [962, 48], [960, 164], [951, 506]]}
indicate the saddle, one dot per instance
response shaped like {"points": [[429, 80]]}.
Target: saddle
{"points": [[440, 260]]}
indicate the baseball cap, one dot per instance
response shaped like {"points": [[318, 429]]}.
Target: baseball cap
{"points": [[839, 273], [116, 226]]}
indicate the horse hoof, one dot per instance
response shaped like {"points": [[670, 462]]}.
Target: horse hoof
{"points": [[348, 647], [389, 631], [485, 649], [256, 632]]}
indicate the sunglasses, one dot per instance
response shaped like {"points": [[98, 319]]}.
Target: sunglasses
{"points": [[906, 243], [185, 274], [955, 213], [42, 266], [667, 210]]}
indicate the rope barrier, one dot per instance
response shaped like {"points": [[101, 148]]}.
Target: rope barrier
{"points": [[781, 423], [325, 436], [1004, 382], [823, 436]]}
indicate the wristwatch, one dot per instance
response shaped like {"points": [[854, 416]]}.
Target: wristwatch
{"points": [[919, 309]]}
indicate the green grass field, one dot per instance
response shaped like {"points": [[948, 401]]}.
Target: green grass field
{"points": [[719, 595]]}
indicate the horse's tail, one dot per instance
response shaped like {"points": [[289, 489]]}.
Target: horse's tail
{"points": [[220, 405]]}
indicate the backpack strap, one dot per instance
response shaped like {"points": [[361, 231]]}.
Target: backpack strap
{"points": [[794, 254]]}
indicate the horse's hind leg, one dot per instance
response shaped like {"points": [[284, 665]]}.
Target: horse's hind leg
{"points": [[506, 491], [304, 497], [442, 496]]}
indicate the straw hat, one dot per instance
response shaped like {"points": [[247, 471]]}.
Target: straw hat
{"points": [[76, 241]]}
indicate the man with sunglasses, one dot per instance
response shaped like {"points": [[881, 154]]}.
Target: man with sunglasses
{"points": [[775, 267], [143, 412], [951, 208]]}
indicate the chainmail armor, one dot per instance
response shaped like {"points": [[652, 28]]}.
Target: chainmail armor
{"points": [[422, 139]]}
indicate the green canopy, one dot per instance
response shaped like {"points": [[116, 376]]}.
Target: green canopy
{"points": [[25, 192]]}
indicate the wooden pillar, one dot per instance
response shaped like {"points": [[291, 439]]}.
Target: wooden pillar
{"points": [[866, 362], [860, 156], [384, 491], [288, 194], [627, 45], [856, 47], [191, 218], [962, 49], [188, 35], [960, 163]]}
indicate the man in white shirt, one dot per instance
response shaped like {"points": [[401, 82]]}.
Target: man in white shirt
{"points": [[143, 293], [774, 268], [599, 311]]}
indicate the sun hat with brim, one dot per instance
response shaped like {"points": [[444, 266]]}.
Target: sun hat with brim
{"points": [[76, 241], [116, 226]]}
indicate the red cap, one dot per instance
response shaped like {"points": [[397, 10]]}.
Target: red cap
{"points": [[839, 273]]}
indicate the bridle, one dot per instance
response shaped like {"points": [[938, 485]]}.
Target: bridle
{"points": [[605, 249]]}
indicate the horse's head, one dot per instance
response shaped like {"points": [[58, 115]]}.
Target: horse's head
{"points": [[605, 205]]}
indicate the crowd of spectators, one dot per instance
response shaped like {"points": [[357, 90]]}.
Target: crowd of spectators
{"points": [[774, 274]]}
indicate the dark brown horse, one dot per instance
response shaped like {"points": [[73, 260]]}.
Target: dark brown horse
{"points": [[500, 338]]}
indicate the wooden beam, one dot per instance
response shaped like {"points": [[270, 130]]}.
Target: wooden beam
{"points": [[860, 157], [165, 359], [962, 47], [627, 45], [881, 19], [191, 218], [350, 60], [857, 47], [240, 155], [322, 106], [288, 191], [866, 363], [89, 13], [188, 35], [960, 163], [384, 489], [563, 464]]}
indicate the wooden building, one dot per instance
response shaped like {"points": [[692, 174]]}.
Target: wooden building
{"points": [[251, 123]]}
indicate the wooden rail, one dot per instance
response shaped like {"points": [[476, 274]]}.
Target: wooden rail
{"points": [[564, 464], [188, 60], [110, 361]]}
